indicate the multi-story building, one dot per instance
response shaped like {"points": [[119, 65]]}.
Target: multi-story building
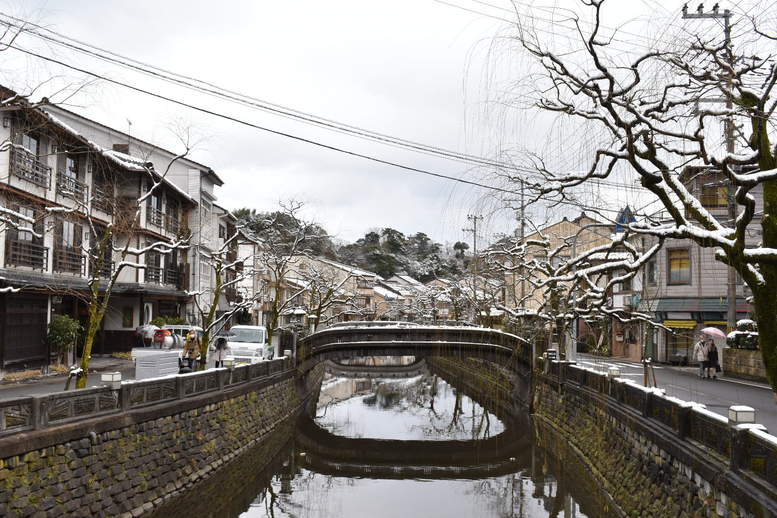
{"points": [[685, 287], [63, 190], [194, 180]]}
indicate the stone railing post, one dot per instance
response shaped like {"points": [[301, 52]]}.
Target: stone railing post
{"points": [[179, 391], [683, 420], [740, 419], [124, 396], [221, 376], [647, 408], [37, 412]]}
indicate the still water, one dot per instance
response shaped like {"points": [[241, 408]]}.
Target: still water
{"points": [[415, 446]]}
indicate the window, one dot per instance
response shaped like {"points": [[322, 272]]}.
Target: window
{"points": [[30, 143], [714, 195], [626, 284], [127, 316], [71, 167], [70, 234], [222, 231], [651, 274], [679, 266], [25, 235]]}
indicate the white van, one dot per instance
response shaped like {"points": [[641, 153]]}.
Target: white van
{"points": [[248, 344]]}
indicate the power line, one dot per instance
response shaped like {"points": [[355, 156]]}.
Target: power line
{"points": [[257, 126], [230, 118], [233, 96], [243, 99]]}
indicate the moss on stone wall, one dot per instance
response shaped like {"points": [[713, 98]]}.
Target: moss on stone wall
{"points": [[131, 470], [641, 479]]}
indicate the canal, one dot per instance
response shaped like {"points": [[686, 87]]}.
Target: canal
{"points": [[407, 445]]}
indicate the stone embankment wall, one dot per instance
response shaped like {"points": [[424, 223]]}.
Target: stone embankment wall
{"points": [[744, 363], [655, 456], [156, 440]]}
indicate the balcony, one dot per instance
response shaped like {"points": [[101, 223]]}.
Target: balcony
{"points": [[71, 187], [230, 293], [28, 167], [105, 270], [26, 253], [172, 276], [68, 259], [159, 275], [172, 225], [155, 217], [103, 199]]}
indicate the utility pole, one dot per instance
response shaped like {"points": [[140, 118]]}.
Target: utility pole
{"points": [[715, 14], [474, 219]]}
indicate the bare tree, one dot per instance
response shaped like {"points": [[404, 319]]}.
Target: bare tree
{"points": [[223, 261], [284, 238], [560, 285], [109, 249], [654, 113], [326, 291]]}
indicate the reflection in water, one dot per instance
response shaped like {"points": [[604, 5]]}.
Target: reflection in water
{"points": [[414, 447]]}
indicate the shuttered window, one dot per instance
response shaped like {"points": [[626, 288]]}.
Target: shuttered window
{"points": [[679, 266]]}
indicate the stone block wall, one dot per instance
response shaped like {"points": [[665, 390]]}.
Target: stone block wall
{"points": [[744, 363], [647, 468], [131, 463]]}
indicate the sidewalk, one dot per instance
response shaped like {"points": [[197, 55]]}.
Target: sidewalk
{"points": [[56, 382], [694, 370]]}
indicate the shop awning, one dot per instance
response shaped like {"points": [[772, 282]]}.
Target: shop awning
{"points": [[680, 324], [704, 305]]}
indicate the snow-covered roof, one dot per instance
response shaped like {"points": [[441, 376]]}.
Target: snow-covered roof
{"points": [[126, 137], [386, 293], [410, 280], [122, 160], [350, 269]]}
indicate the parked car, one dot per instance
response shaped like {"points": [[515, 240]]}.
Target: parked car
{"points": [[248, 344], [178, 334]]}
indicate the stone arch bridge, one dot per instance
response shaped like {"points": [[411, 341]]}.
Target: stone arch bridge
{"points": [[360, 339]]}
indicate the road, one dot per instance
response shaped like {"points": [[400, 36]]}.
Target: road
{"points": [[683, 383], [45, 386]]}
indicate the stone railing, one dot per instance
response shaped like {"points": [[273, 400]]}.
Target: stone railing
{"points": [[39, 412], [747, 449]]}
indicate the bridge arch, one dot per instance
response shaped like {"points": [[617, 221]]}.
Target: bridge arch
{"points": [[406, 339]]}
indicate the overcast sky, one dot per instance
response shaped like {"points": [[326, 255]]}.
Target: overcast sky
{"points": [[415, 69]]}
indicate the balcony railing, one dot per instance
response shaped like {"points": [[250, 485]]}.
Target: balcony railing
{"points": [[71, 187], [106, 269], [172, 276], [103, 199], [172, 224], [155, 217], [68, 259], [26, 253], [154, 274], [230, 293], [28, 167], [159, 275]]}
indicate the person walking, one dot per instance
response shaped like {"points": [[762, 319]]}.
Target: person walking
{"points": [[700, 355], [712, 360], [191, 348], [222, 351]]}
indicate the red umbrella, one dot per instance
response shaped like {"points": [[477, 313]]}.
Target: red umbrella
{"points": [[713, 332]]}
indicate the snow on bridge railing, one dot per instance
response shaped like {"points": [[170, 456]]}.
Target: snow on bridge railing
{"points": [[38, 412], [748, 447]]}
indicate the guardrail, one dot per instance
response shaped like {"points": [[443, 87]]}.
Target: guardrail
{"points": [[38, 412], [746, 447]]}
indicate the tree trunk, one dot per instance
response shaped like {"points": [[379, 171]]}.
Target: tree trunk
{"points": [[95, 316]]}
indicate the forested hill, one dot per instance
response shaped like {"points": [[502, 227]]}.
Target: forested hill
{"points": [[386, 251]]}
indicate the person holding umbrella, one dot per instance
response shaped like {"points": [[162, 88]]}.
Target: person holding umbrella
{"points": [[713, 365]]}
